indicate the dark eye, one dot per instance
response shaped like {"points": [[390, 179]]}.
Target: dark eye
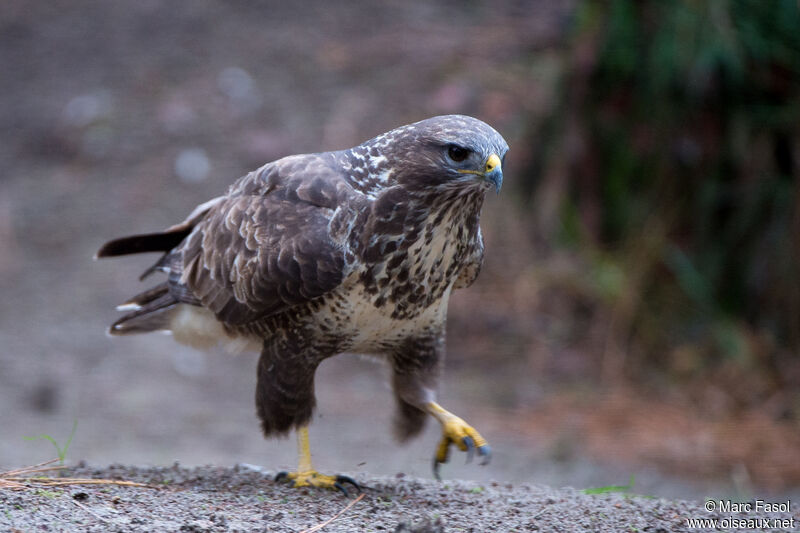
{"points": [[457, 153]]}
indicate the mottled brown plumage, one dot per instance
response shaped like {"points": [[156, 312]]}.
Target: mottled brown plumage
{"points": [[318, 254]]}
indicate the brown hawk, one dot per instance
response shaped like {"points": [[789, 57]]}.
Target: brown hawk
{"points": [[314, 255]]}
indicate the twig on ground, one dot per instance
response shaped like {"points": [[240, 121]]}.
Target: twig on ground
{"points": [[337, 515]]}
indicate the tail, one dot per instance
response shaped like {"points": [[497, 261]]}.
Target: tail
{"points": [[157, 242], [153, 309], [136, 244], [150, 310], [150, 242]]}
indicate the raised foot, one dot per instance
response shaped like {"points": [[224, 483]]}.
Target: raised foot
{"points": [[312, 478], [457, 432]]}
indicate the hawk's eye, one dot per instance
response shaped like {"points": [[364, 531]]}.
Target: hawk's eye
{"points": [[457, 153]]}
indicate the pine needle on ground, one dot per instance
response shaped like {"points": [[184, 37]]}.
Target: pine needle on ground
{"points": [[30, 477]]}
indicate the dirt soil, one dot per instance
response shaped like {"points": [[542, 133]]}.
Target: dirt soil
{"points": [[214, 499]]}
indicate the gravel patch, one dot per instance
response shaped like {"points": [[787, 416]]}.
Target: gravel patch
{"points": [[245, 498]]}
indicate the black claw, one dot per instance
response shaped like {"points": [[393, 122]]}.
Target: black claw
{"points": [[346, 479], [341, 488], [485, 451], [470, 444], [436, 469], [281, 476]]}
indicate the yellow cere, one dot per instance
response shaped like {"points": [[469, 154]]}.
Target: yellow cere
{"points": [[492, 163]]}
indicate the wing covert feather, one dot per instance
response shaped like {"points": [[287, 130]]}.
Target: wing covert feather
{"points": [[263, 250]]}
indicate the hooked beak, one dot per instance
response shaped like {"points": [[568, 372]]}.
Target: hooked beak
{"points": [[493, 172]]}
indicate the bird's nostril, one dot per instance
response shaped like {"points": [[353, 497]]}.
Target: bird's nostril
{"points": [[492, 163]]}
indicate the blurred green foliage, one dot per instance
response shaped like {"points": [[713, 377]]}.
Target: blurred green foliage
{"points": [[681, 121]]}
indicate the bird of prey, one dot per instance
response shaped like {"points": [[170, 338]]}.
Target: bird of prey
{"points": [[314, 255]]}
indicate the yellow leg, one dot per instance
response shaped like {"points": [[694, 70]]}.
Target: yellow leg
{"points": [[456, 431], [303, 451], [306, 476]]}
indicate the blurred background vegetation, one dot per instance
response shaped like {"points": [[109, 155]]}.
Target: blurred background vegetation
{"points": [[669, 167], [639, 304]]}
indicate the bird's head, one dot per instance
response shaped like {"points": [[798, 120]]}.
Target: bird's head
{"points": [[445, 153]]}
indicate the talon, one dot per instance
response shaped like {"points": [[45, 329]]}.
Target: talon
{"points": [[456, 431], [485, 451], [312, 478], [306, 476], [347, 479], [341, 488], [339, 484], [470, 445]]}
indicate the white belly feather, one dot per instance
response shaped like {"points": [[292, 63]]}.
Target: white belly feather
{"points": [[199, 328], [368, 327]]}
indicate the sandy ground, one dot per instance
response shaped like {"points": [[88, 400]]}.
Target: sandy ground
{"points": [[213, 499]]}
